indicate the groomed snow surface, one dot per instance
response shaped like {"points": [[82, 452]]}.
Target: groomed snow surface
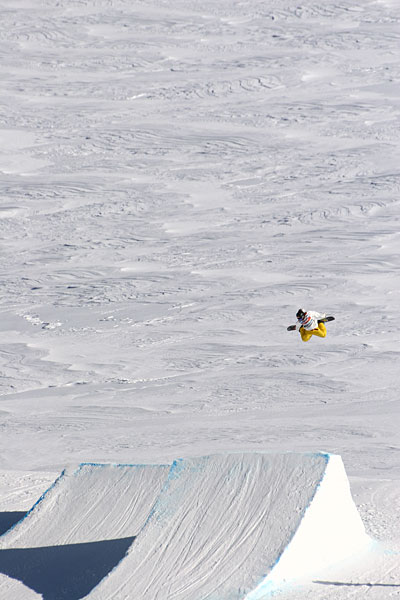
{"points": [[227, 527]]}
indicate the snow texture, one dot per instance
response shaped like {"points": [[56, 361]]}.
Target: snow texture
{"points": [[177, 178]]}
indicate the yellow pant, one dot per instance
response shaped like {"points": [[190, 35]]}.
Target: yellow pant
{"points": [[306, 335]]}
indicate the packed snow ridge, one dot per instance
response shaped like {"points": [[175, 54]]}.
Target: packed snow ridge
{"points": [[235, 526]]}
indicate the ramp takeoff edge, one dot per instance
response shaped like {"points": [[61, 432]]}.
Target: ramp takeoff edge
{"points": [[330, 531]]}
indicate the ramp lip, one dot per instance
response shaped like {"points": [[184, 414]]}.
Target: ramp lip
{"points": [[118, 465], [271, 584], [38, 501], [266, 586]]}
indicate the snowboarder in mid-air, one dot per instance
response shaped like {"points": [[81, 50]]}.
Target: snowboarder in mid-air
{"points": [[310, 323]]}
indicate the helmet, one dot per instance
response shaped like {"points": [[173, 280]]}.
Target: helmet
{"points": [[300, 314]]}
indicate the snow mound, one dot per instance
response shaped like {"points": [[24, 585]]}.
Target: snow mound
{"points": [[220, 527], [234, 526]]}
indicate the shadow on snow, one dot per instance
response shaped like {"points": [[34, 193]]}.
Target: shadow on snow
{"points": [[344, 584], [8, 519], [63, 572]]}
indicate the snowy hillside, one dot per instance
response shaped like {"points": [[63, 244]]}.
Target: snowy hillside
{"points": [[177, 179]]}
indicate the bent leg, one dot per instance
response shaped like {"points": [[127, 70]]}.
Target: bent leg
{"points": [[321, 331], [305, 335]]}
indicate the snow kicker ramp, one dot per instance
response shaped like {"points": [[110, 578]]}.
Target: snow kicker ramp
{"points": [[220, 527], [77, 531]]}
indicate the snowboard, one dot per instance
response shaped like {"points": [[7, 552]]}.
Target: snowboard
{"points": [[324, 320]]}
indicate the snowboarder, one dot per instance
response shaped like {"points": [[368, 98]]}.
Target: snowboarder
{"points": [[310, 323]]}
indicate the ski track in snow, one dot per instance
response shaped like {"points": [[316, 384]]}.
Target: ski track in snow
{"points": [[176, 180]]}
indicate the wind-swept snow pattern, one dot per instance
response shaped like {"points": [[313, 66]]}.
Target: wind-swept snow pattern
{"points": [[177, 178]]}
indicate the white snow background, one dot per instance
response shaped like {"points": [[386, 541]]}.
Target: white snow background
{"points": [[177, 179]]}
